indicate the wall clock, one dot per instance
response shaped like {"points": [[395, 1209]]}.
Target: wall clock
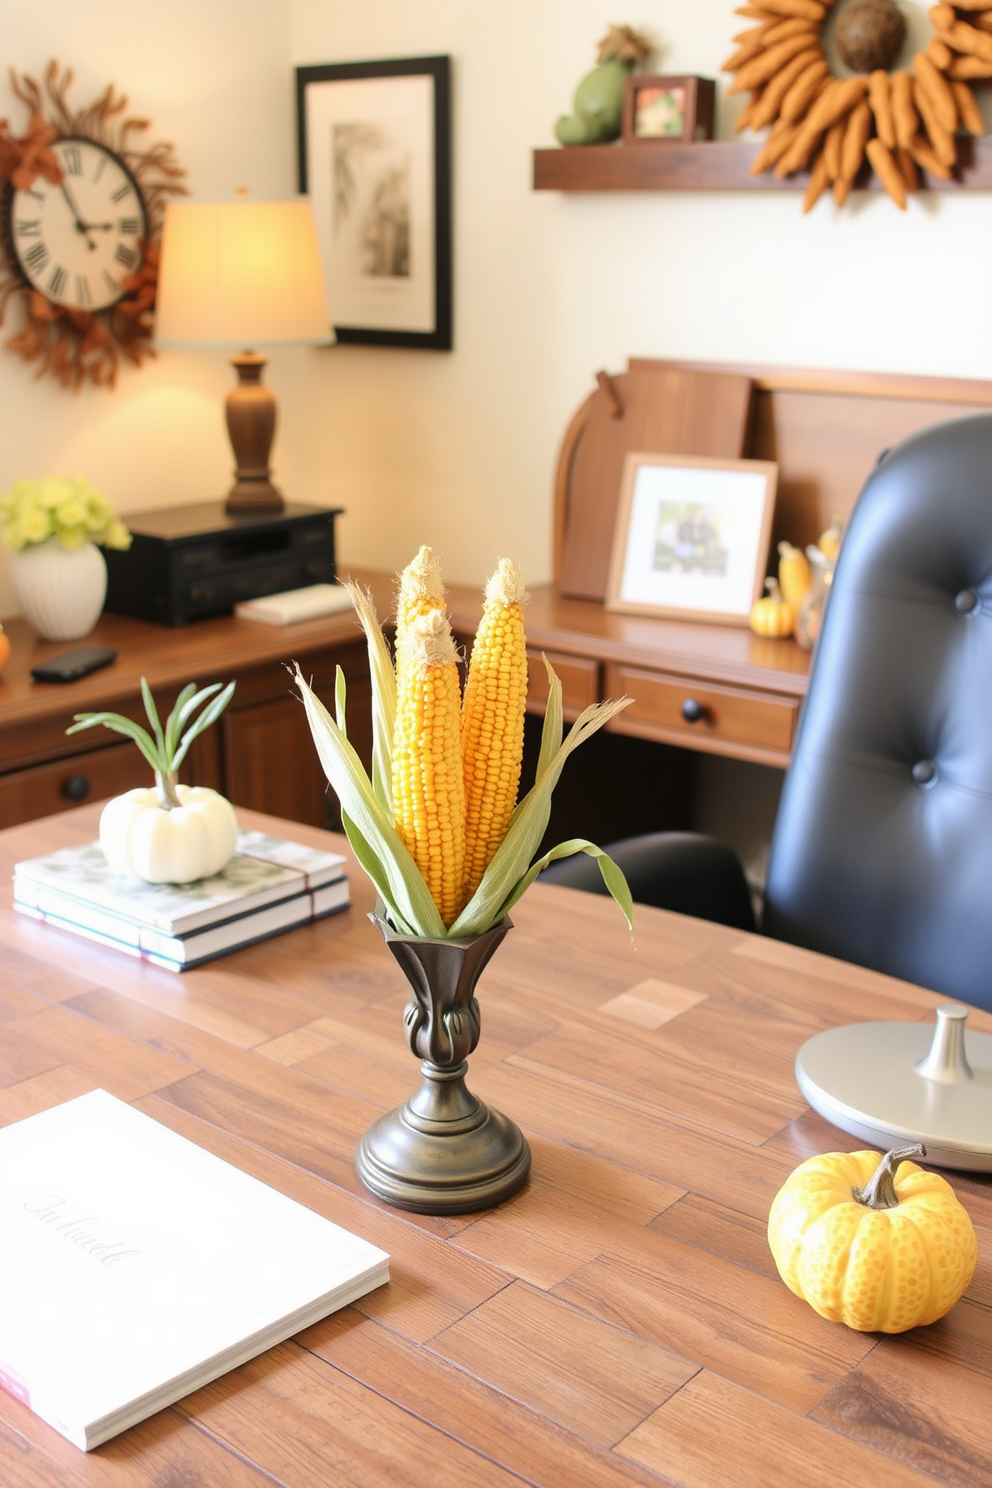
{"points": [[81, 217]]}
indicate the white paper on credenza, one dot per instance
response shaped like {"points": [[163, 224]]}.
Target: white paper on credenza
{"points": [[135, 1266]]}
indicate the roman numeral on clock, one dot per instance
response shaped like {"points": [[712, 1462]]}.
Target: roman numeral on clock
{"points": [[28, 229], [83, 296], [121, 192], [125, 255], [72, 159], [57, 280], [36, 257], [130, 227]]}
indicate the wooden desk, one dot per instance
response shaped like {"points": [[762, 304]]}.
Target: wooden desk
{"points": [[619, 1323]]}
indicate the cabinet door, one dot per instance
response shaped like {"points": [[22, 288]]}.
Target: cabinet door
{"points": [[89, 776], [271, 762]]}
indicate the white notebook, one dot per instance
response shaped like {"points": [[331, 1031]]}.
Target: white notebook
{"points": [[135, 1266], [294, 605]]}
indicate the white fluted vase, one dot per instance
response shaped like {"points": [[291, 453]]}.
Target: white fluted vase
{"points": [[60, 590]]}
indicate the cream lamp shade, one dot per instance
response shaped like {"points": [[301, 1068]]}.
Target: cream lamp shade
{"points": [[243, 275]]}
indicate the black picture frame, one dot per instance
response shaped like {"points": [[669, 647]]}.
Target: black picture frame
{"points": [[319, 90]]}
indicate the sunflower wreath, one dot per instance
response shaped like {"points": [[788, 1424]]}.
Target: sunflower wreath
{"points": [[901, 121]]}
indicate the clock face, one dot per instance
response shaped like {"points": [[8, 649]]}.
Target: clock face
{"points": [[76, 241]]}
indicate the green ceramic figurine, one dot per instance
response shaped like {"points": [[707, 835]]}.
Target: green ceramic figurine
{"points": [[598, 102]]}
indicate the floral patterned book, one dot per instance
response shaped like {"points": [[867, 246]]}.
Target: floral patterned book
{"points": [[264, 871]]}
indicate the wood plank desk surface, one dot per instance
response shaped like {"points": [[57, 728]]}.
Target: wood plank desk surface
{"points": [[617, 1324]]}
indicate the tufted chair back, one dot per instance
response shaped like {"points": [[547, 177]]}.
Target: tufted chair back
{"points": [[882, 852]]}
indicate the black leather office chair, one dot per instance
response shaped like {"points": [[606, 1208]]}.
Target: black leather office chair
{"points": [[882, 850]]}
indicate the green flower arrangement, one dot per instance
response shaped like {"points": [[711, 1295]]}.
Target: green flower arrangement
{"points": [[71, 510]]}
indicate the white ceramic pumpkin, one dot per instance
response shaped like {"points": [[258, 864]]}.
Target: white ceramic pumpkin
{"points": [[173, 833], [192, 840]]}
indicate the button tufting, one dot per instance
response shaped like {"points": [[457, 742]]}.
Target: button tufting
{"points": [[967, 602], [925, 773]]}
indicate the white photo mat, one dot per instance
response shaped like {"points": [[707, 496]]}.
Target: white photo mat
{"points": [[369, 152], [692, 536]]}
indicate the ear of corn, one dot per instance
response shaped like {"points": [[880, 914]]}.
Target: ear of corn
{"points": [[502, 884], [493, 721], [407, 827], [428, 789], [420, 591]]}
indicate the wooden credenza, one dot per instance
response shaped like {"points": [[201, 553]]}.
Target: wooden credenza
{"points": [[260, 754], [707, 688], [717, 689]]}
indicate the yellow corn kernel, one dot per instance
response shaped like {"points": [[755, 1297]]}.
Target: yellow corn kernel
{"points": [[428, 791], [420, 591], [493, 721]]}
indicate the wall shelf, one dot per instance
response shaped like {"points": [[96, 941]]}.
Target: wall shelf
{"points": [[712, 165]]}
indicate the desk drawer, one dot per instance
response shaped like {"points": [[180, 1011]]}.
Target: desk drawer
{"points": [[91, 776], [706, 716], [579, 677]]}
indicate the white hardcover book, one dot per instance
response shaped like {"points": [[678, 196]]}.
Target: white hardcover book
{"points": [[263, 871], [319, 867], [177, 952], [137, 1266]]}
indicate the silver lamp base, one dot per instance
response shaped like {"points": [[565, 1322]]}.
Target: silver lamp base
{"points": [[891, 1084]]}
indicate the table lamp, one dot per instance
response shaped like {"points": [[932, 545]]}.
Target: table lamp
{"points": [[243, 275]]}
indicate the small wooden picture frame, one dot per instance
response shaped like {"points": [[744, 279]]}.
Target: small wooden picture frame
{"points": [[692, 537], [672, 109]]}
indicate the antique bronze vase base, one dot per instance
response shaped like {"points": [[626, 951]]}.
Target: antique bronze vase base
{"points": [[473, 1160], [443, 1151]]}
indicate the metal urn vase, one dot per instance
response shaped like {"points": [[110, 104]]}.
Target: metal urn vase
{"points": [[443, 1151]]}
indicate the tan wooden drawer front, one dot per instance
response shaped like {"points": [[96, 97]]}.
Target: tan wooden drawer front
{"points": [[92, 776], [755, 719], [579, 681]]}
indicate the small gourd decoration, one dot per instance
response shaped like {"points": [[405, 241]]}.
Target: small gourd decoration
{"points": [[173, 833], [794, 574], [4, 649], [874, 1242], [597, 106], [772, 615]]}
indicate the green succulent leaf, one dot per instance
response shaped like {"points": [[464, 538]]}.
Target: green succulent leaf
{"points": [[383, 697]]}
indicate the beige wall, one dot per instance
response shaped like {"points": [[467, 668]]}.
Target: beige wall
{"points": [[213, 77], [457, 449]]}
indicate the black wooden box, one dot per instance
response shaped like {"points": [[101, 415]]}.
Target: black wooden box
{"points": [[187, 562]]}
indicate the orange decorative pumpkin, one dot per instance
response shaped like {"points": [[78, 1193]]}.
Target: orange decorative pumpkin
{"points": [[772, 615], [4, 649], [874, 1242]]}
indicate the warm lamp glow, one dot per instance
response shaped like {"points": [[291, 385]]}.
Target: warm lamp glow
{"points": [[243, 275]]}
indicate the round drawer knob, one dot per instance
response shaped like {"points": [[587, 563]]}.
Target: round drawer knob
{"points": [[692, 711], [76, 788]]}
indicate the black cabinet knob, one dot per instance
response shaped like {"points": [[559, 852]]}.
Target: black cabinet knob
{"points": [[76, 788], [692, 711]]}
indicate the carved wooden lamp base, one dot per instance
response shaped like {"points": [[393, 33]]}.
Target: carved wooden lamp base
{"points": [[251, 424]]}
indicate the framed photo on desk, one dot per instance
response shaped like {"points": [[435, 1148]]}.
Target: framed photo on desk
{"points": [[692, 536], [374, 155]]}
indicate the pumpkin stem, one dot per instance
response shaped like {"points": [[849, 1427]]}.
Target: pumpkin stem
{"points": [[880, 1190], [165, 787]]}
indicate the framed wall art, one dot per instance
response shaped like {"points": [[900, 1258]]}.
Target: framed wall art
{"points": [[692, 536], [374, 156], [667, 108]]}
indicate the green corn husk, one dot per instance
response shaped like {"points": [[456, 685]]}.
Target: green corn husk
{"points": [[366, 806]]}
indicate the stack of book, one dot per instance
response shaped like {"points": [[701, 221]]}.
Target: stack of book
{"points": [[268, 886]]}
